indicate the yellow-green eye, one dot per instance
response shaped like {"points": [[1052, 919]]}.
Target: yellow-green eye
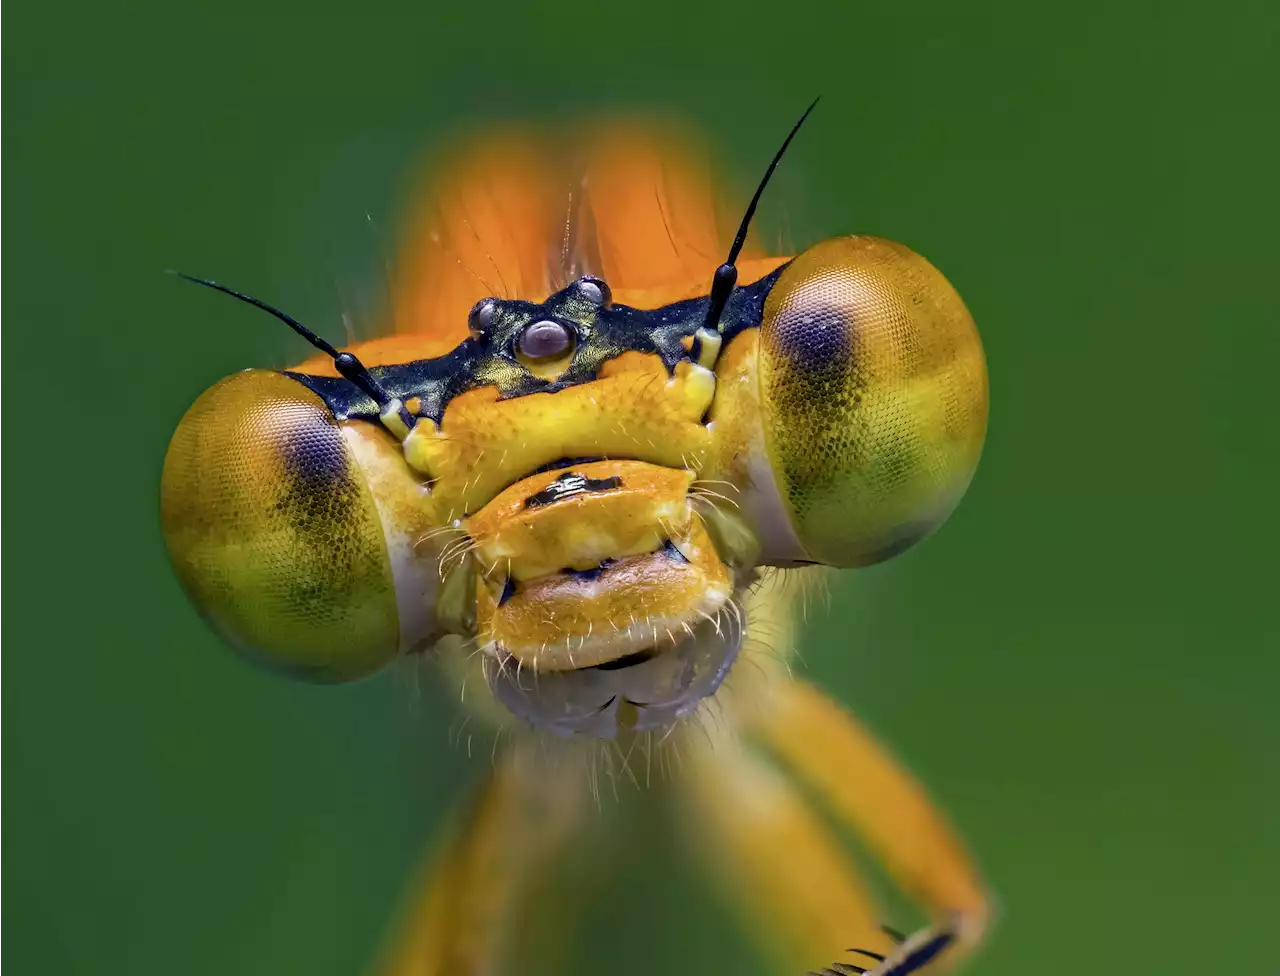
{"points": [[274, 532], [873, 393]]}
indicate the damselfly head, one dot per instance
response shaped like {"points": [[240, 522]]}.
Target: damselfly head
{"points": [[581, 488]]}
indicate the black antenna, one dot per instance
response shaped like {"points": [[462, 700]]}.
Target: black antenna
{"points": [[726, 276], [346, 363]]}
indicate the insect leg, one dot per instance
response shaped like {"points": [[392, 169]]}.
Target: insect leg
{"points": [[869, 792], [790, 878], [461, 908]]}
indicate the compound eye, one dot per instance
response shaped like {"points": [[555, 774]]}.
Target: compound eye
{"points": [[544, 340], [480, 319], [596, 291], [873, 392], [275, 533]]}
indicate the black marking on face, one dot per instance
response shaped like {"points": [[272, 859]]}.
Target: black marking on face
{"points": [[490, 356], [566, 463], [508, 590], [590, 574], [569, 485], [627, 661], [672, 550]]}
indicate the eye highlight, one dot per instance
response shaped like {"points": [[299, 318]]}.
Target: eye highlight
{"points": [[595, 290], [480, 318], [543, 340]]}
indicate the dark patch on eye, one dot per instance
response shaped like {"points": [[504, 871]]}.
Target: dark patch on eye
{"points": [[318, 488], [815, 338], [314, 458], [332, 559], [569, 485]]}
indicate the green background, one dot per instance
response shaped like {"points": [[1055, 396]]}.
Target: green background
{"points": [[1082, 665]]}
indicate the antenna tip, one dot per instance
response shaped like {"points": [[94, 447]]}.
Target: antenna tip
{"points": [[725, 278]]}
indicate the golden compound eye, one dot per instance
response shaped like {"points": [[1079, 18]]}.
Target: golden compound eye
{"points": [[543, 340], [273, 526], [874, 398], [481, 317], [595, 290]]}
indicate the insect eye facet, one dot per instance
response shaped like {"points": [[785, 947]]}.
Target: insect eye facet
{"points": [[480, 318], [544, 339], [595, 290], [275, 533], [873, 393]]}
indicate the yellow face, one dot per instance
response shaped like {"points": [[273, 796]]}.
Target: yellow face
{"points": [[584, 485]]}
